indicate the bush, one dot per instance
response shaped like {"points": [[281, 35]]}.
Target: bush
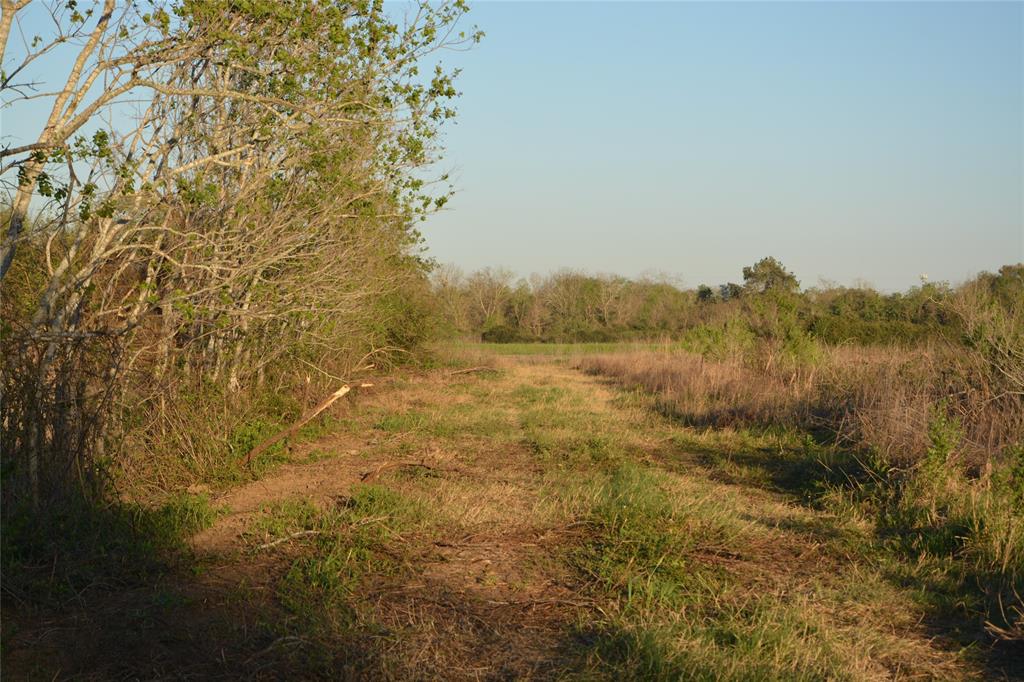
{"points": [[505, 334]]}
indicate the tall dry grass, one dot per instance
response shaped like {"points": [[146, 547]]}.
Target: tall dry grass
{"points": [[945, 434], [866, 397]]}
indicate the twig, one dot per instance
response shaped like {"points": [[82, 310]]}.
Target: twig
{"points": [[280, 641], [306, 533], [368, 520], [542, 602], [371, 475], [300, 534]]}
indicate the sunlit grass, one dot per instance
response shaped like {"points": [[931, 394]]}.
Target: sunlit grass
{"points": [[565, 349]]}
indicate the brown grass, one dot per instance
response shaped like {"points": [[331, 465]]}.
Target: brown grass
{"points": [[531, 523], [872, 398]]}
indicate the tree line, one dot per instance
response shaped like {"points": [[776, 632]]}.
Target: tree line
{"points": [[570, 306]]}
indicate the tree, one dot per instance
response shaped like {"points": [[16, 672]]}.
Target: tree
{"points": [[730, 291], [259, 205], [517, 308], [449, 289], [488, 291], [769, 274]]}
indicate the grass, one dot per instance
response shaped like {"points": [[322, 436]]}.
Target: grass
{"points": [[205, 444], [563, 349], [958, 537], [641, 537], [81, 547], [675, 610], [341, 546], [540, 523]]}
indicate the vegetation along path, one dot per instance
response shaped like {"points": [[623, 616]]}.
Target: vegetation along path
{"points": [[520, 521]]}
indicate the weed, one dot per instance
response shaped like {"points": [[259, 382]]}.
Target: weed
{"points": [[345, 543]]}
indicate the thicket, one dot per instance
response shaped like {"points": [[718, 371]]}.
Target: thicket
{"points": [[214, 223], [572, 306]]}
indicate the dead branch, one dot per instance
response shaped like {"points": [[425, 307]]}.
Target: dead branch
{"points": [[300, 534], [309, 416]]}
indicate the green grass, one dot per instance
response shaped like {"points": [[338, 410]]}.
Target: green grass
{"points": [[182, 515], [339, 546], [641, 537], [446, 424], [527, 395], [572, 449], [673, 613]]}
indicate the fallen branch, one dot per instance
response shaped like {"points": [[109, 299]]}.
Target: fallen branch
{"points": [[305, 533], [371, 475], [309, 416]]}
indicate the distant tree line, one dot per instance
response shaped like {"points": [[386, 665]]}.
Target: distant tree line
{"points": [[564, 306], [570, 306]]}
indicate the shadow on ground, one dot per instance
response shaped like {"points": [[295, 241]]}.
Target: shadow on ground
{"points": [[950, 593], [126, 600]]}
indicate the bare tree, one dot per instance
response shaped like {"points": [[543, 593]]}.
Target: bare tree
{"points": [[488, 290]]}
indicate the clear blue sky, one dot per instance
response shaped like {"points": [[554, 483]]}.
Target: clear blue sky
{"points": [[870, 140], [850, 140]]}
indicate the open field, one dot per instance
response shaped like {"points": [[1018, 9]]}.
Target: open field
{"points": [[669, 364], [525, 520]]}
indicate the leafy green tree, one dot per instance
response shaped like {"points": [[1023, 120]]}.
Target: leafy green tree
{"points": [[768, 274], [730, 291]]}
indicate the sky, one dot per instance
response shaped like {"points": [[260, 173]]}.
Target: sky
{"points": [[856, 142], [853, 141]]}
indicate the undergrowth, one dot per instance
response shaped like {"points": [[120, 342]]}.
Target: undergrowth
{"points": [[79, 547]]}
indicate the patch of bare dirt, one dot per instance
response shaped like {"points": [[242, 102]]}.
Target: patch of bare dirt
{"points": [[318, 482]]}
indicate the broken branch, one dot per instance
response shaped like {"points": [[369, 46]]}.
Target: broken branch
{"points": [[309, 416]]}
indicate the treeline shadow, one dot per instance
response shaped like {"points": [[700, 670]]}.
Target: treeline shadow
{"points": [[114, 592], [961, 601]]}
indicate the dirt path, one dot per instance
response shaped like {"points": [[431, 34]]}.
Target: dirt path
{"points": [[453, 531]]}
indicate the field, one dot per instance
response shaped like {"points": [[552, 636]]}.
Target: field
{"points": [[258, 422], [533, 513]]}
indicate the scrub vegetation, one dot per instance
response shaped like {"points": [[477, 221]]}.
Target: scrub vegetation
{"points": [[214, 228], [250, 430]]}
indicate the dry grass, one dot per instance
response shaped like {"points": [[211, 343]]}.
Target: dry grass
{"points": [[531, 523], [873, 398], [938, 476]]}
